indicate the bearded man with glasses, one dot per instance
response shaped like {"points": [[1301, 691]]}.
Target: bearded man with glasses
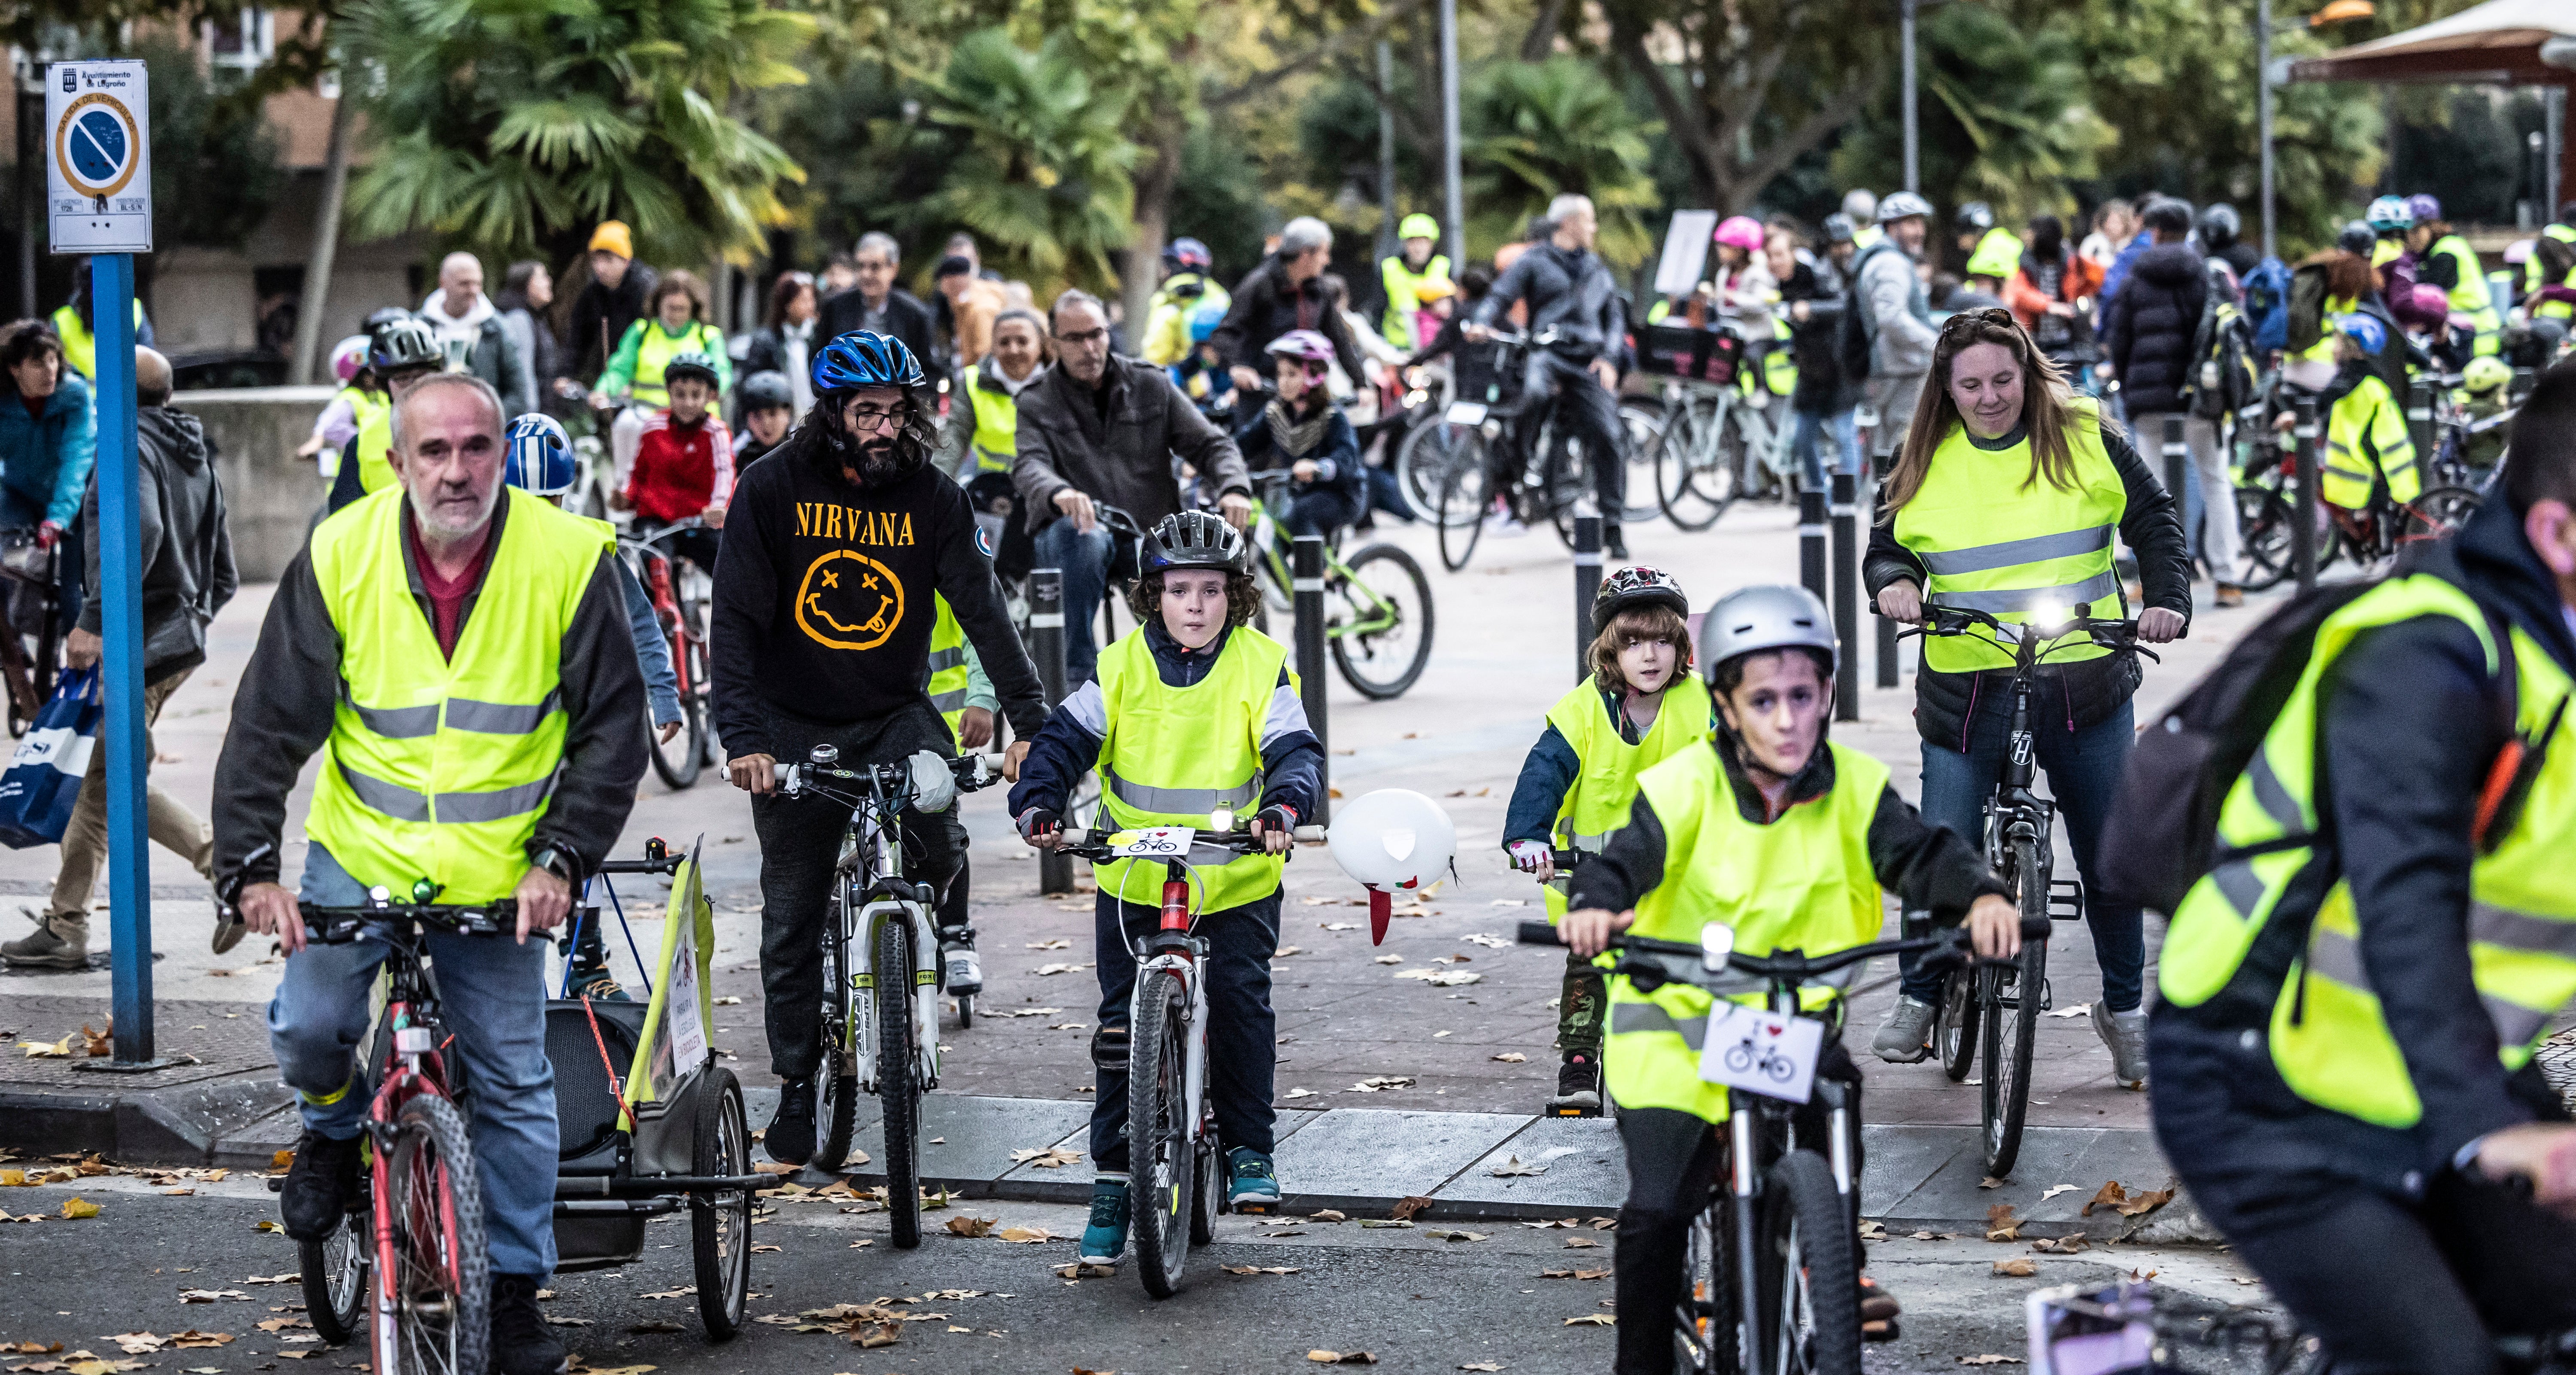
{"points": [[1100, 430], [837, 550]]}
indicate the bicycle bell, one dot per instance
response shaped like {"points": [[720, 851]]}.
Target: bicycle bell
{"points": [[824, 756]]}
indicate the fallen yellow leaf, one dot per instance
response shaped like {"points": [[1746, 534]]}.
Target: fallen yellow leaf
{"points": [[79, 1208], [2020, 1267]]}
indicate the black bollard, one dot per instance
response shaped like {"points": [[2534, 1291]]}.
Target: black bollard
{"points": [[1887, 642], [1587, 583], [1306, 564], [2303, 509], [1846, 603], [1811, 543], [1046, 646], [2419, 418]]}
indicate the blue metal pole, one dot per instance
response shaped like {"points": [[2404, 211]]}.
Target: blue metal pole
{"points": [[129, 871]]}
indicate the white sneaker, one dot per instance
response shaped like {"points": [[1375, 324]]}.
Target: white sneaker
{"points": [[965, 971], [1504, 525]]}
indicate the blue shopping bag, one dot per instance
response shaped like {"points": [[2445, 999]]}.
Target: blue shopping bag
{"points": [[44, 778]]}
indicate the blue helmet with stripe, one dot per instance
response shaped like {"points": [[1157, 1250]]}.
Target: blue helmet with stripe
{"points": [[541, 458], [2366, 330], [864, 358]]}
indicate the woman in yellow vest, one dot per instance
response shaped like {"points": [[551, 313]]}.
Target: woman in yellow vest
{"points": [[2445, 260], [674, 323], [2004, 498], [983, 434], [2345, 1033], [1192, 712], [1641, 704], [1789, 839], [360, 398]]}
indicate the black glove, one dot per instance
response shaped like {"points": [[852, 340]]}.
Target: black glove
{"points": [[1278, 818], [1039, 822]]}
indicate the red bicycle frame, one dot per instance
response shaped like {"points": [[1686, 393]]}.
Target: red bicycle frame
{"points": [[419, 1068]]}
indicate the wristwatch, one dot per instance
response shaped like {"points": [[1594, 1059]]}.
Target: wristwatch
{"points": [[558, 862]]}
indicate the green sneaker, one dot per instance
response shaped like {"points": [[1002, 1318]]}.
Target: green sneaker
{"points": [[1254, 1186], [1106, 1238]]}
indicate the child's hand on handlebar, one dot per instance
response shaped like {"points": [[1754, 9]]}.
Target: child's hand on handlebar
{"points": [[1536, 858], [1901, 601], [1589, 930], [2159, 625], [1276, 829], [1041, 828], [1994, 927]]}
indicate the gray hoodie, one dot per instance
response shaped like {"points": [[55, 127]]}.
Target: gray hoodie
{"points": [[1900, 319], [186, 550], [490, 350]]}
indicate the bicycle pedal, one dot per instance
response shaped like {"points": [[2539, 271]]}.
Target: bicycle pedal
{"points": [[1882, 1330], [2066, 899], [1254, 1208]]}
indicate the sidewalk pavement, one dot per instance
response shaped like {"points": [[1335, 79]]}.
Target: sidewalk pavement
{"points": [[1504, 651]]}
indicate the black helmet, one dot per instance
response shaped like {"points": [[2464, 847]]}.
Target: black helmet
{"points": [[1637, 585], [1193, 539], [1977, 215], [764, 391], [382, 316], [2357, 238], [2219, 226]]}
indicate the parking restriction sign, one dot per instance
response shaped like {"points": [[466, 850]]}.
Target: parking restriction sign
{"points": [[98, 168]]}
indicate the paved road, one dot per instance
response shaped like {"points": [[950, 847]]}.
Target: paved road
{"points": [[1417, 1303]]}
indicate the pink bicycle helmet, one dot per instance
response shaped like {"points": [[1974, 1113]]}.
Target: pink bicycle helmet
{"points": [[348, 356], [1742, 231], [1303, 344]]}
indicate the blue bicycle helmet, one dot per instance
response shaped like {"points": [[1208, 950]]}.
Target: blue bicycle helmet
{"points": [[1203, 322], [2389, 215], [1188, 253], [541, 458], [2366, 330], [863, 358]]}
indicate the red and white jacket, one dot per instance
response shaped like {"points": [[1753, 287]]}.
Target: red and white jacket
{"points": [[681, 470]]}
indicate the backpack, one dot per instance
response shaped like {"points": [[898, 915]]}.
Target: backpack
{"points": [[1853, 333], [2186, 762], [2222, 381], [2267, 305], [2303, 319]]}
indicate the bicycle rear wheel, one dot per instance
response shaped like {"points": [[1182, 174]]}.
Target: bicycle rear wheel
{"points": [[677, 761], [335, 1272], [1161, 1155], [2016, 996], [897, 1090], [1812, 1271], [433, 1288], [1641, 426], [1464, 499], [836, 1074], [1381, 628], [2264, 519], [1429, 452], [1954, 1028], [1694, 479], [2439, 511], [720, 1226]]}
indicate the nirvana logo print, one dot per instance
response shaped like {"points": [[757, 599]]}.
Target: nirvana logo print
{"points": [[849, 601]]}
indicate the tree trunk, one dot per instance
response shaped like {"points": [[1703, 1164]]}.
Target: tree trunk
{"points": [[1540, 41], [326, 241], [1155, 182]]}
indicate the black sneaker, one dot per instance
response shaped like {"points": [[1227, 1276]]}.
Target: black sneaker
{"points": [[1612, 546], [522, 1342], [1578, 1086], [790, 1138], [319, 1186]]}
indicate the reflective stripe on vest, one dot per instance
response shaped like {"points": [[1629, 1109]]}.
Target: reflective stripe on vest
{"points": [[949, 680], [1803, 881], [1606, 766], [1989, 543], [439, 767], [657, 348], [1174, 754], [2328, 1036], [997, 426]]}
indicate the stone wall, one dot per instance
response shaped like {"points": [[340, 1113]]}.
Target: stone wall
{"points": [[270, 494]]}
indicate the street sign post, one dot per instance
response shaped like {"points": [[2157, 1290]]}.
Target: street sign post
{"points": [[98, 177]]}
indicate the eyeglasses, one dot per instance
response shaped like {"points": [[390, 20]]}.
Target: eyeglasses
{"points": [[866, 418]]}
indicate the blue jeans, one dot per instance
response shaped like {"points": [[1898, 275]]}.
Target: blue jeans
{"points": [[1243, 1033], [2083, 771], [493, 996], [1085, 561], [1320, 511], [1802, 443]]}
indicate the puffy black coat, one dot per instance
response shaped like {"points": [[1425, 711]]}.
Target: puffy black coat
{"points": [[2151, 332]]}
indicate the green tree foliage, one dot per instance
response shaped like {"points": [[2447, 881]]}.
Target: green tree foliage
{"points": [[1538, 130], [2004, 117], [1042, 170], [517, 125]]}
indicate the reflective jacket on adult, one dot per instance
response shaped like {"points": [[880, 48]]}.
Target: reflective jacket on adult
{"points": [[1995, 539], [346, 630], [1702, 844], [2354, 990]]}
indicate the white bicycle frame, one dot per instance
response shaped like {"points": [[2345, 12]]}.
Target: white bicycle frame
{"points": [[861, 920]]}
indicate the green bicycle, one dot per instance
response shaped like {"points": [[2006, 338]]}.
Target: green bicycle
{"points": [[1377, 603]]}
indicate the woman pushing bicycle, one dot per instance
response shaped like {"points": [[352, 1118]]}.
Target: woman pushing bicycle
{"points": [[1640, 705], [2003, 499], [1787, 838]]}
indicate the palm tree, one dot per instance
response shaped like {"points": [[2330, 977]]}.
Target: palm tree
{"points": [[1539, 130], [517, 126], [1042, 164]]}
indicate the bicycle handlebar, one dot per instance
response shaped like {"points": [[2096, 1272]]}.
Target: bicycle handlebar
{"points": [[1792, 966], [972, 771], [328, 925], [1092, 844]]}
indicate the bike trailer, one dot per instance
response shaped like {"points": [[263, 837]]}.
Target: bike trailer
{"points": [[1692, 355]]}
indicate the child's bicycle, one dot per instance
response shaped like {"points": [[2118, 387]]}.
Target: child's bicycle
{"points": [[1772, 1284], [1174, 1172], [1377, 603], [880, 1034], [681, 593]]}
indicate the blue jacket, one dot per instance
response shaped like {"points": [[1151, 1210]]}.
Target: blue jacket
{"points": [[2114, 275], [45, 459], [1068, 746], [1336, 454], [1548, 774]]}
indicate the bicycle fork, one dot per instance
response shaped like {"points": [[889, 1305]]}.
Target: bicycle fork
{"points": [[862, 946], [1172, 948]]}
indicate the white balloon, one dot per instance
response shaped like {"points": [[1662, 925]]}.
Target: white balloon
{"points": [[1392, 838]]}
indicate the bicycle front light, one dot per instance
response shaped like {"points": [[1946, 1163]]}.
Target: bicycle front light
{"points": [[2049, 619], [1716, 942]]}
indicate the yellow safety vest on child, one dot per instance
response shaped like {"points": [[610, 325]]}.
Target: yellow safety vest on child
{"points": [[1606, 782], [2366, 439], [1171, 755]]}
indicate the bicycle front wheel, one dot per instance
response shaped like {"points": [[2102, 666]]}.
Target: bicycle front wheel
{"points": [[898, 1091], [1380, 627], [836, 1073], [2016, 996], [1695, 481], [1954, 1032], [434, 1284], [1161, 1154], [1464, 499], [1811, 1270], [1423, 462]]}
